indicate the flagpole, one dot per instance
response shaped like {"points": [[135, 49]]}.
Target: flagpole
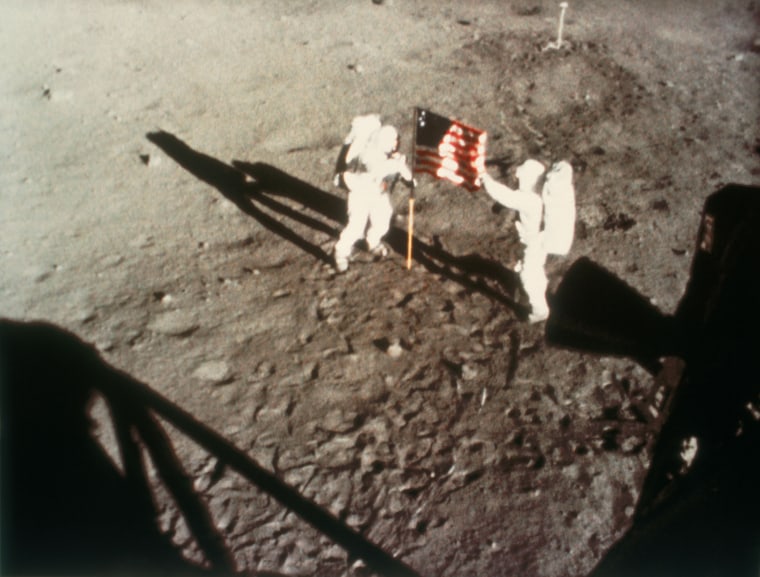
{"points": [[410, 234]]}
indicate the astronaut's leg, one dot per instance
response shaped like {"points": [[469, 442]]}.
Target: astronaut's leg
{"points": [[380, 214], [534, 281], [358, 213]]}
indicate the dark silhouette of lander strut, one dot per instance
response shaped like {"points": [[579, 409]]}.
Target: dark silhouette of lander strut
{"points": [[699, 510]]}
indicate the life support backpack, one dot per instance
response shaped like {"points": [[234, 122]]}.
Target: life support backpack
{"points": [[362, 129], [558, 195]]}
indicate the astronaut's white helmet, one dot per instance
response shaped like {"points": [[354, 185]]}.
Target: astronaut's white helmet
{"points": [[529, 174], [386, 139]]}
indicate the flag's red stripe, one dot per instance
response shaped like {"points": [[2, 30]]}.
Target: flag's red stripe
{"points": [[465, 128], [465, 138], [463, 156], [454, 148], [468, 184], [465, 133], [452, 145], [456, 140], [471, 162], [432, 167], [475, 161]]}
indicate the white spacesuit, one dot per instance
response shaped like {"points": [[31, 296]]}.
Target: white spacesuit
{"points": [[371, 163], [552, 203]]}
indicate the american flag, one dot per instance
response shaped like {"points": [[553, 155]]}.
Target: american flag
{"points": [[447, 149]]}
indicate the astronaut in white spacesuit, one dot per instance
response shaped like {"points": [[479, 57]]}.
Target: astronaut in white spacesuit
{"points": [[369, 164], [546, 206]]}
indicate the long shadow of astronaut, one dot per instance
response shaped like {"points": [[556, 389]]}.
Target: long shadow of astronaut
{"points": [[433, 257], [471, 271], [67, 509], [698, 514]]}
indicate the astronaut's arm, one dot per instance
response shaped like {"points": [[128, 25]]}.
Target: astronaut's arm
{"points": [[405, 172], [501, 193], [340, 164], [396, 165]]}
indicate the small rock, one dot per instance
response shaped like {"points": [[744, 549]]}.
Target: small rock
{"points": [[395, 350], [336, 453], [299, 476], [371, 461], [460, 479], [512, 412], [297, 565], [104, 345], [572, 471], [174, 323], [264, 456], [414, 452], [264, 370], [181, 533], [267, 439], [41, 275], [359, 520], [202, 483], [395, 504], [277, 410], [84, 316], [308, 546], [212, 465], [469, 372], [608, 378], [111, 261], [308, 372], [215, 372], [333, 552], [56, 95], [339, 421], [227, 520], [229, 396], [166, 520], [142, 241], [293, 458], [150, 160], [632, 445]]}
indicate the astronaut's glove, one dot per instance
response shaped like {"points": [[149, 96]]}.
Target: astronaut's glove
{"points": [[410, 182], [482, 179]]}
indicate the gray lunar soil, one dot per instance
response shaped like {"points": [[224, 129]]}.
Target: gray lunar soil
{"points": [[166, 197]]}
